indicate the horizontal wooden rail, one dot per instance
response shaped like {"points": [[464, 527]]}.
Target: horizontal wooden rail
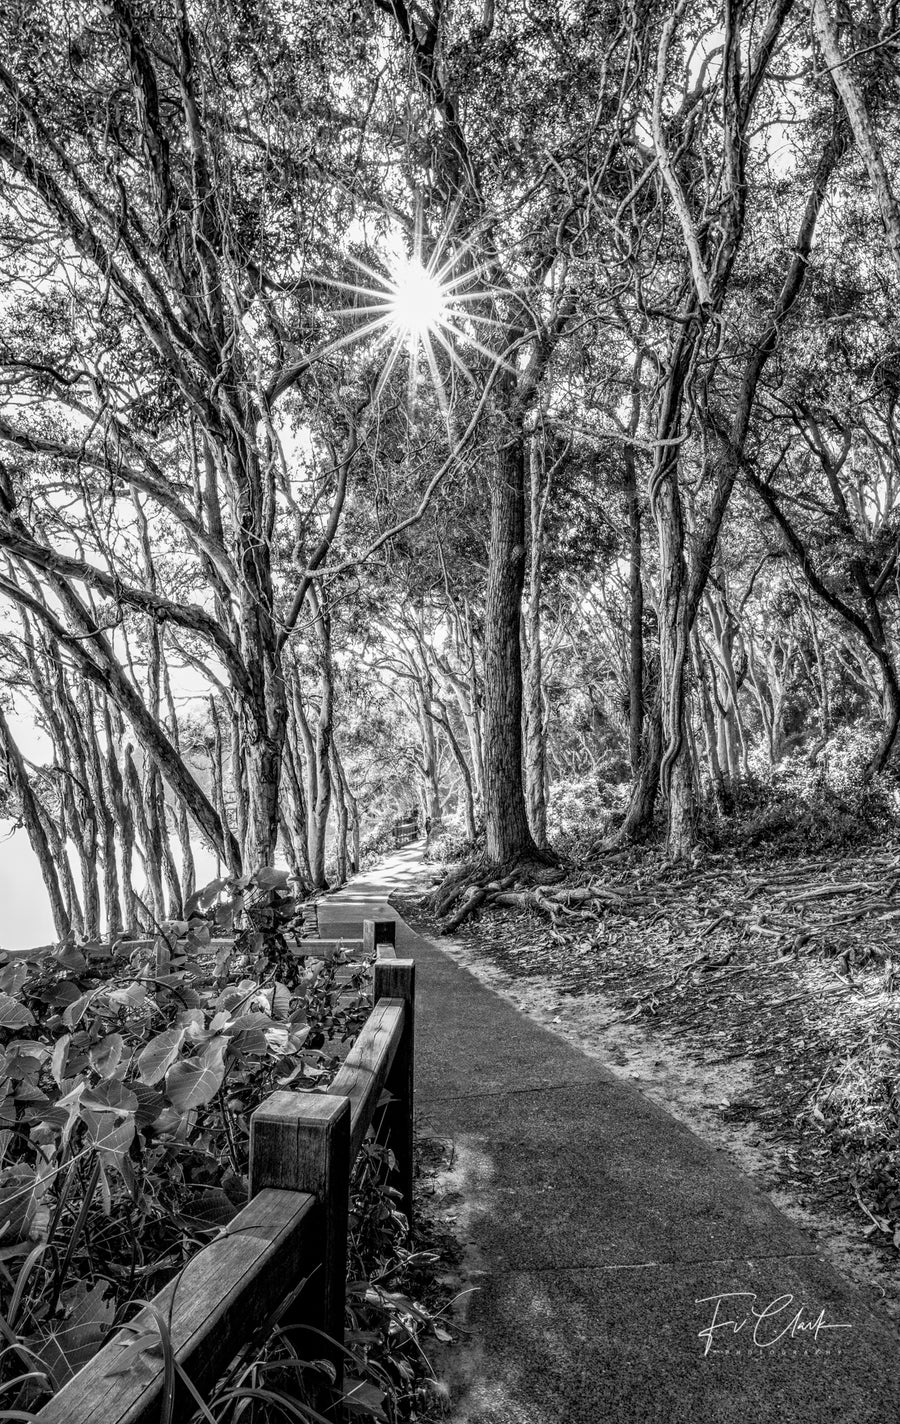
{"points": [[302, 1146], [244, 1275], [366, 1067], [308, 944]]}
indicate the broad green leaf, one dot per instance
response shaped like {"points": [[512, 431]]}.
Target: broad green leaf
{"points": [[156, 1059], [281, 1001], [193, 1023], [133, 996], [150, 1103], [194, 1082], [13, 1013], [70, 957], [110, 1096], [110, 1132], [363, 1398], [107, 1054], [76, 1011], [60, 1057], [12, 977]]}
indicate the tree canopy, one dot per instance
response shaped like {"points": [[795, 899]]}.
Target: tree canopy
{"points": [[485, 409]]}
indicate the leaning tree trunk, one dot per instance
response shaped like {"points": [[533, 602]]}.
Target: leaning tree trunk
{"points": [[509, 836], [83, 819], [105, 821], [890, 715], [124, 820], [431, 791], [218, 787], [188, 870], [20, 784]]}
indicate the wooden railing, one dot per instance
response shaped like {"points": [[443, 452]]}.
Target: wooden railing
{"points": [[405, 832], [293, 1229]]}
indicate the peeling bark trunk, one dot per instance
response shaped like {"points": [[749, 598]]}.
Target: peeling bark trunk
{"points": [[506, 819]]}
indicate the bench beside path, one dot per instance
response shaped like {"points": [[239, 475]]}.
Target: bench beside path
{"points": [[604, 1237]]}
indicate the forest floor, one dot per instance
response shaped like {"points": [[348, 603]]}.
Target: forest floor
{"points": [[753, 997]]}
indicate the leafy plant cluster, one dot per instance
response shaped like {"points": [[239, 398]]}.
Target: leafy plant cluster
{"points": [[857, 1114], [815, 803], [128, 1073], [395, 1308]]}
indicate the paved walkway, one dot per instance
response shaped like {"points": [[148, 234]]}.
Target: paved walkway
{"points": [[596, 1223]]}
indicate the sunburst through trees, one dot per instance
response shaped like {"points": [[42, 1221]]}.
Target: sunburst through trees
{"points": [[425, 310]]}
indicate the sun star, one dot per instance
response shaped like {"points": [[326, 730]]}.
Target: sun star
{"points": [[417, 304], [427, 309]]}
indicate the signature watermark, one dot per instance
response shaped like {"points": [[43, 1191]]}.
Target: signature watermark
{"points": [[763, 1326]]}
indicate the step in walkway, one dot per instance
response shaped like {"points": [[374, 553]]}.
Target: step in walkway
{"points": [[605, 1237]]}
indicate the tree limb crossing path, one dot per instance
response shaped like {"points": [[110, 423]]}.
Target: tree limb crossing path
{"points": [[624, 1270]]}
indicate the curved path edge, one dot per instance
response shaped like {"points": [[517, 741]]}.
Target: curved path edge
{"points": [[623, 1269]]}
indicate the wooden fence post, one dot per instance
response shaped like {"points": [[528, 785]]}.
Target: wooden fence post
{"points": [[385, 932], [396, 979], [368, 937], [301, 1142]]}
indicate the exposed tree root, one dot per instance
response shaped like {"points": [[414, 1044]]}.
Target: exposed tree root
{"points": [[526, 883]]}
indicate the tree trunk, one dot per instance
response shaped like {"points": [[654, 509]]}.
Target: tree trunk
{"points": [[675, 778], [431, 790], [343, 820], [535, 738], [31, 817], [218, 781], [638, 818], [841, 73], [352, 806], [296, 820], [124, 823], [107, 829], [509, 837], [465, 771], [322, 750], [635, 580]]}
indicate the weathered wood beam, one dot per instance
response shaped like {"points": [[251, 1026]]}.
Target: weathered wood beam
{"points": [[210, 1309]]}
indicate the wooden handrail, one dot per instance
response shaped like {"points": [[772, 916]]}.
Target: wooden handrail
{"points": [[242, 1275], [366, 1067], [302, 1147]]}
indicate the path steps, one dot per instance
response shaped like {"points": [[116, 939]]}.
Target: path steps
{"points": [[594, 1224]]}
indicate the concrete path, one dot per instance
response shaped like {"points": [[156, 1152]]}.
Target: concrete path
{"points": [[604, 1237]]}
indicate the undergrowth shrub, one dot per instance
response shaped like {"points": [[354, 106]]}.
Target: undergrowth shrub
{"points": [[856, 1112], [455, 845], [127, 1080], [376, 844], [810, 806]]}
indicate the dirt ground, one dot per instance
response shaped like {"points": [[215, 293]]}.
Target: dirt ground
{"points": [[755, 1001]]}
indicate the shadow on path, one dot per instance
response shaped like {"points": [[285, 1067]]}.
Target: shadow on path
{"points": [[604, 1237]]}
